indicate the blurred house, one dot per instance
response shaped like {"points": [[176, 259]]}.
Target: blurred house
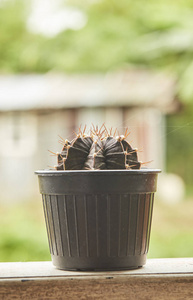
{"points": [[35, 109]]}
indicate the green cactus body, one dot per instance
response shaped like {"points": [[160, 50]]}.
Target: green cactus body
{"points": [[97, 151]]}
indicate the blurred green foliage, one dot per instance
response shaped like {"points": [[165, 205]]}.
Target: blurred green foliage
{"points": [[179, 154], [171, 234], [23, 233], [155, 34]]}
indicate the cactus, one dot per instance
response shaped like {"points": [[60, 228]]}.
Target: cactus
{"points": [[97, 151]]}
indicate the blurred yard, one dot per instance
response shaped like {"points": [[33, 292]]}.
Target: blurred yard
{"points": [[114, 35], [172, 230], [23, 232]]}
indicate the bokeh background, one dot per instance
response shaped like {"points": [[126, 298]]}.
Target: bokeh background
{"points": [[66, 63]]}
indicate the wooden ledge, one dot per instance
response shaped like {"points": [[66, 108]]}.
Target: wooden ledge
{"points": [[158, 279]]}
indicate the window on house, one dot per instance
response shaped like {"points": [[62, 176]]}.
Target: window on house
{"points": [[18, 134]]}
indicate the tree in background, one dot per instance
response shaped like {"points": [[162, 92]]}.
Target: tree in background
{"points": [[155, 34]]}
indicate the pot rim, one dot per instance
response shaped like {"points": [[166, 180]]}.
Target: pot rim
{"points": [[97, 172]]}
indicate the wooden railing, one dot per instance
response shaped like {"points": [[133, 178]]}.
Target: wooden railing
{"points": [[158, 279]]}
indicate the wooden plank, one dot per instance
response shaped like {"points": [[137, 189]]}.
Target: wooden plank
{"points": [[159, 279], [110, 288]]}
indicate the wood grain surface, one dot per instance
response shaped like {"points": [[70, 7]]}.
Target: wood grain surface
{"points": [[158, 279]]}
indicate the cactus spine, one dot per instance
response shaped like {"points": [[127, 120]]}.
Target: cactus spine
{"points": [[99, 150]]}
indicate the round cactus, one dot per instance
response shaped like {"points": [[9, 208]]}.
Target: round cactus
{"points": [[97, 151]]}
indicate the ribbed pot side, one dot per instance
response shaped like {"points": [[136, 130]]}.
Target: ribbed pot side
{"points": [[98, 220]]}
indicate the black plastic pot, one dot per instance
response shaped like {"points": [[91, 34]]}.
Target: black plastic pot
{"points": [[98, 220]]}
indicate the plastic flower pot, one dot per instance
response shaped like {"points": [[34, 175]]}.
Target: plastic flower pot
{"points": [[98, 220]]}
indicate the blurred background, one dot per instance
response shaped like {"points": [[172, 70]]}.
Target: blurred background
{"points": [[65, 63]]}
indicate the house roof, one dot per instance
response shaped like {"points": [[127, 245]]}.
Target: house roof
{"points": [[55, 91]]}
